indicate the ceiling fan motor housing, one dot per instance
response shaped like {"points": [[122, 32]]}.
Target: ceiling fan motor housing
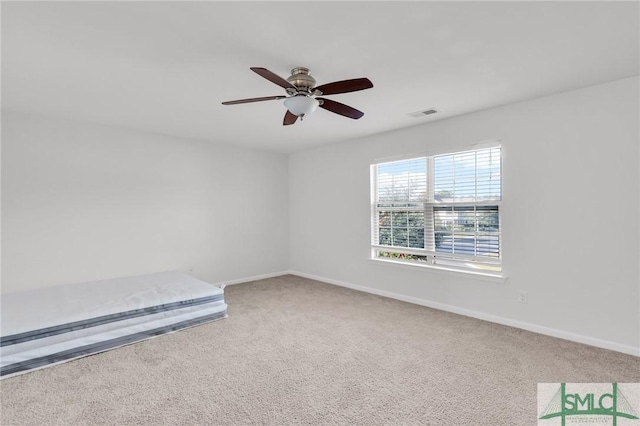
{"points": [[301, 78]]}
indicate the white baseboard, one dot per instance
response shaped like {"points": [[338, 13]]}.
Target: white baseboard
{"points": [[254, 278], [579, 338]]}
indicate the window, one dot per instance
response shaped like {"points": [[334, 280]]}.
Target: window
{"points": [[439, 210]]}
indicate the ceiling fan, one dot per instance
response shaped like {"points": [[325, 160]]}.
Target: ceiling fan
{"points": [[303, 94]]}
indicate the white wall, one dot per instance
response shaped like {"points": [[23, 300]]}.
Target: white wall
{"points": [[82, 202], [570, 215]]}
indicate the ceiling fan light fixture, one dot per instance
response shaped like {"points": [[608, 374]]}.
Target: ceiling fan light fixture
{"points": [[301, 105]]}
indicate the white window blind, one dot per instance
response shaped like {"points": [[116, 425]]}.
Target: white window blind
{"points": [[443, 209]]}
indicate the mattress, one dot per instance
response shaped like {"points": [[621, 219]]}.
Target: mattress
{"points": [[44, 327]]}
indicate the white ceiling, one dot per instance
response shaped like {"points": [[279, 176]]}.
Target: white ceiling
{"points": [[165, 67]]}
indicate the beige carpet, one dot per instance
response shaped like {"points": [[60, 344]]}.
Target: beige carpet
{"points": [[296, 351]]}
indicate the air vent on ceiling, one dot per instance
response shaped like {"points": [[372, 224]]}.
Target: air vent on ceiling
{"points": [[423, 113]]}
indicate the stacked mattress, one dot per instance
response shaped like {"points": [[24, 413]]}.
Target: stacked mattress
{"points": [[45, 327]]}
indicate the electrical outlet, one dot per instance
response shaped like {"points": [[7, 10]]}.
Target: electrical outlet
{"points": [[523, 297]]}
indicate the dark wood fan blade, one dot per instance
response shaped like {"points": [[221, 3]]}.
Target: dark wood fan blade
{"points": [[339, 108], [274, 78], [345, 86], [246, 101], [289, 119]]}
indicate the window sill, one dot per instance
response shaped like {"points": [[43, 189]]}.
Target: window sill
{"points": [[483, 276]]}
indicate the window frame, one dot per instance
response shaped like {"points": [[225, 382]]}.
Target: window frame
{"points": [[459, 262]]}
